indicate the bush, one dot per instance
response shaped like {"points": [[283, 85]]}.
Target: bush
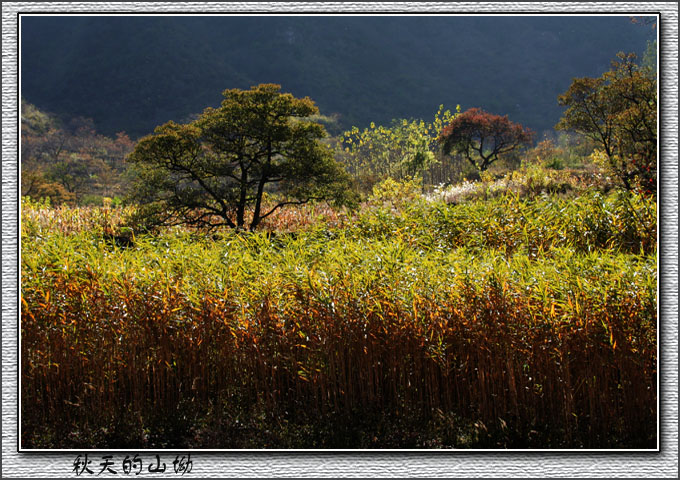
{"points": [[396, 192]]}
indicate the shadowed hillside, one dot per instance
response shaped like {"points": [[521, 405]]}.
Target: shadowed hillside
{"points": [[133, 73]]}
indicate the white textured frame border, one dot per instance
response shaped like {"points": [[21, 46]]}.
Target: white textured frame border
{"points": [[365, 464]]}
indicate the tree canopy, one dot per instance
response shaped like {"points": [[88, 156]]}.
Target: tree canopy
{"points": [[215, 170], [69, 162], [618, 111], [481, 137], [403, 150]]}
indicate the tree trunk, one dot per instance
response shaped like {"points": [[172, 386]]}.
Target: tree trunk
{"points": [[258, 203], [241, 208], [260, 188]]}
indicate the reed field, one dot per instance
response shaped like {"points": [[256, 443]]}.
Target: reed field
{"points": [[504, 322]]}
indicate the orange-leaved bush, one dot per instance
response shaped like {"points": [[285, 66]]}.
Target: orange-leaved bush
{"points": [[482, 136]]}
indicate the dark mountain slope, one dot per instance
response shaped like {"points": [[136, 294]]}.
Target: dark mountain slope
{"points": [[133, 73]]}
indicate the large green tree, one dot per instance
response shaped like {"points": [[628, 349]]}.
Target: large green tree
{"points": [[215, 170], [618, 111]]}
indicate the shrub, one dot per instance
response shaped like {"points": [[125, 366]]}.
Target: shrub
{"points": [[396, 192]]}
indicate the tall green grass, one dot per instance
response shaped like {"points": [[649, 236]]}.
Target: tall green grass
{"points": [[617, 222]]}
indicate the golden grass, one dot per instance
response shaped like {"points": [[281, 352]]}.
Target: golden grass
{"points": [[557, 342]]}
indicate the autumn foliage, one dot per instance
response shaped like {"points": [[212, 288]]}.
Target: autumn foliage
{"points": [[69, 162], [618, 111], [481, 137], [507, 323], [516, 312]]}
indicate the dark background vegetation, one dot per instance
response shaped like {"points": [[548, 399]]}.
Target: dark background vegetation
{"points": [[133, 73]]}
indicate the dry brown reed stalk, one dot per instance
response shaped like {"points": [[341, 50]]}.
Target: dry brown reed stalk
{"points": [[484, 357]]}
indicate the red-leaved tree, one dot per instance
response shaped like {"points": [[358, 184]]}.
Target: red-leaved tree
{"points": [[481, 137]]}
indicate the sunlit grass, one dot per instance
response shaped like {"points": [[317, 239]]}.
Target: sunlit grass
{"points": [[535, 317]]}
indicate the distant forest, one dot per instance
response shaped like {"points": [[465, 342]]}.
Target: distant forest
{"points": [[132, 74]]}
